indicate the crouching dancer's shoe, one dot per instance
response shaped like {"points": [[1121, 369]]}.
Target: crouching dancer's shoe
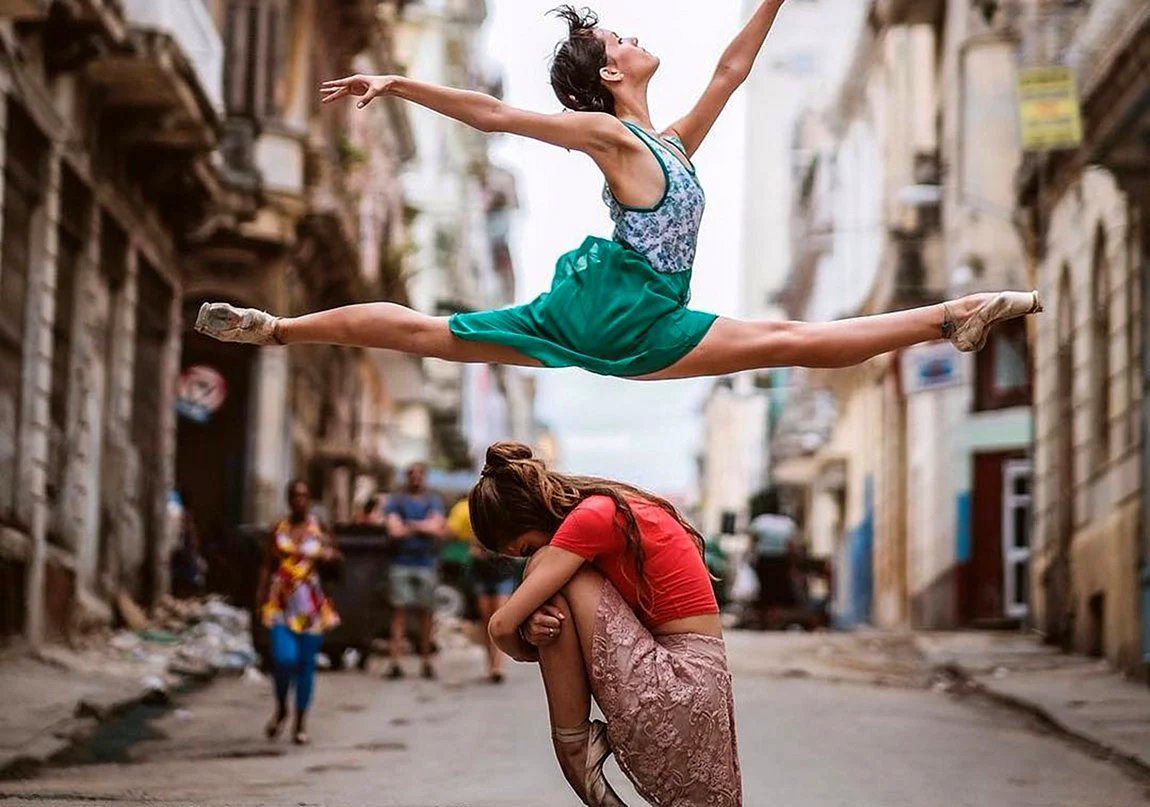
{"points": [[582, 752]]}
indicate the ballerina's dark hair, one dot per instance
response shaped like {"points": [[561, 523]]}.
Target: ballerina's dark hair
{"points": [[516, 493], [577, 61]]}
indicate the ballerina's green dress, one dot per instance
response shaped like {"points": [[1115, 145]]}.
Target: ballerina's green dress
{"points": [[616, 307]]}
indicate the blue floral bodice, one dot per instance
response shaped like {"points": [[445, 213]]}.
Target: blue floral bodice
{"points": [[668, 233]]}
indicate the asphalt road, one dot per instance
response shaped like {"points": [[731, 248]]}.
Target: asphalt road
{"points": [[461, 742]]}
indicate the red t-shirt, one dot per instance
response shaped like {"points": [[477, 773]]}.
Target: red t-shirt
{"points": [[675, 581]]}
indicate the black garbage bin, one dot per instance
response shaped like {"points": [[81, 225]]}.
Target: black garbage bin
{"points": [[359, 591]]}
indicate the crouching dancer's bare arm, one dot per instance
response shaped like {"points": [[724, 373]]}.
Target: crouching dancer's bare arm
{"points": [[532, 619]]}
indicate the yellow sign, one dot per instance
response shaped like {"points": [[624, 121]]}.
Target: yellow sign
{"points": [[1048, 109]]}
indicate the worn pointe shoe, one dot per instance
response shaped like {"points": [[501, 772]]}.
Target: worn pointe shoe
{"points": [[581, 753], [970, 336], [229, 324]]}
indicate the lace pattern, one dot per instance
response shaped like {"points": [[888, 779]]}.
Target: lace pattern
{"points": [[669, 709]]}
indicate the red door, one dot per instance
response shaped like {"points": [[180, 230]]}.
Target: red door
{"points": [[981, 587]]}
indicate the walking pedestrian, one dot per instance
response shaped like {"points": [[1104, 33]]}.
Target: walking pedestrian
{"points": [[295, 607], [415, 524], [616, 604], [494, 579]]}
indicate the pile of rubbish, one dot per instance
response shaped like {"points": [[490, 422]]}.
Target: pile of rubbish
{"points": [[449, 632], [197, 639]]}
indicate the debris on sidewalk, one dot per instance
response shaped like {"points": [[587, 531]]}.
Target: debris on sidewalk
{"points": [[61, 692], [448, 632]]}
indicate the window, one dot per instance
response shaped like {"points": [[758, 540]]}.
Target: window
{"points": [[1100, 315], [75, 205], [254, 31], [729, 520], [24, 177], [1002, 369]]}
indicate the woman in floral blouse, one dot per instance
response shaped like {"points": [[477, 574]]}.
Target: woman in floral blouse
{"points": [[295, 607]]}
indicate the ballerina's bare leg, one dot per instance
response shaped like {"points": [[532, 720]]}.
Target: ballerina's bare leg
{"points": [[380, 325], [730, 346], [733, 346]]}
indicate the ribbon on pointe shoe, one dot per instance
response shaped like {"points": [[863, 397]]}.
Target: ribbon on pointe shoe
{"points": [[582, 751]]}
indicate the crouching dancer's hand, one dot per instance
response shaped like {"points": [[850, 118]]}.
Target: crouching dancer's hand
{"points": [[542, 627]]}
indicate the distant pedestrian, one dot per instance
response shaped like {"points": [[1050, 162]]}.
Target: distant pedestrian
{"points": [[188, 567], [494, 579], [295, 607], [616, 603], [415, 524]]}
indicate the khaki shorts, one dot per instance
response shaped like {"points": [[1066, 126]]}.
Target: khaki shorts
{"points": [[412, 586]]}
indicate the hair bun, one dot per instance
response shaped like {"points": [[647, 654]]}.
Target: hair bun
{"points": [[502, 454]]}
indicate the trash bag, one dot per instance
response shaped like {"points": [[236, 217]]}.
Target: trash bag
{"points": [[746, 585]]}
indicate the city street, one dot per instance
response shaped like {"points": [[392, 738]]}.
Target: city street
{"points": [[806, 738]]}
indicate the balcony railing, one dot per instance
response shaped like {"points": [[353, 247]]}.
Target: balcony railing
{"points": [[191, 25]]}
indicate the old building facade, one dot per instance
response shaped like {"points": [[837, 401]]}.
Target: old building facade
{"points": [[110, 113], [922, 482], [1085, 211], [160, 154], [1007, 486]]}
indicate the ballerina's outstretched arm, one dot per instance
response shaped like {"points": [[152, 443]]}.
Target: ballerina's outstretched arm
{"points": [[589, 132], [734, 66]]}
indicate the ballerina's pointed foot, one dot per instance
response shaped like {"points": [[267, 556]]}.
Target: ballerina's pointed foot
{"points": [[970, 335], [582, 752], [230, 324]]}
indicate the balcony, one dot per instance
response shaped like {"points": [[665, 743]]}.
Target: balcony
{"points": [[23, 9], [161, 85], [190, 24], [73, 33]]}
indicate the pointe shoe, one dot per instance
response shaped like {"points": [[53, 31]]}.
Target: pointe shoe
{"points": [[230, 324], [970, 335], [581, 753]]}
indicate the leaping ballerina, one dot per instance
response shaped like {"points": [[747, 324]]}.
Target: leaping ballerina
{"points": [[616, 307]]}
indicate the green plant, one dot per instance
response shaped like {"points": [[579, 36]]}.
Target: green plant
{"points": [[351, 156]]}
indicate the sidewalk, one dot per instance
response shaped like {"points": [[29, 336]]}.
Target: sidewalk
{"points": [[56, 696], [1083, 697], [53, 699]]}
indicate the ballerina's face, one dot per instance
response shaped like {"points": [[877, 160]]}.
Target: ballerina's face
{"points": [[526, 544], [625, 56]]}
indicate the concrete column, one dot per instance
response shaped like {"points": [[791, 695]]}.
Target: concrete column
{"points": [[32, 505], [119, 465], [85, 407], [170, 370], [268, 424]]}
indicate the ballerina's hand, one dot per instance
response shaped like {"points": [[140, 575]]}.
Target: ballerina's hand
{"points": [[543, 627], [367, 87]]}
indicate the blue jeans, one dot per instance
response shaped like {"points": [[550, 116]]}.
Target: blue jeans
{"points": [[293, 657]]}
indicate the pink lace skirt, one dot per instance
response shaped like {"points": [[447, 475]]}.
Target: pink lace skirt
{"points": [[669, 708]]}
